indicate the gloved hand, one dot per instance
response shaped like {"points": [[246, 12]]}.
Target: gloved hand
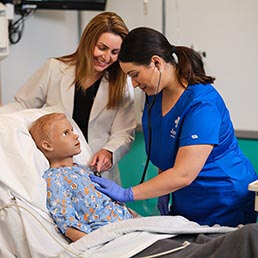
{"points": [[113, 190], [163, 204]]}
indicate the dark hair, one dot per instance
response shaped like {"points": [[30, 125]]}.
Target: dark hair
{"points": [[142, 43]]}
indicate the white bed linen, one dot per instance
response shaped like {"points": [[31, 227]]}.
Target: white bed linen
{"points": [[119, 239], [126, 238]]}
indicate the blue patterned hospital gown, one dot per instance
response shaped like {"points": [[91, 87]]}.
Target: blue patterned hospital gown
{"points": [[73, 201]]}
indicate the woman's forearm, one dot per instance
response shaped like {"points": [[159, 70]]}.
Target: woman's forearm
{"points": [[189, 162], [166, 182]]}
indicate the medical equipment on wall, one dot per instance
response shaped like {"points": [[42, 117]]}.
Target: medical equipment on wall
{"points": [[149, 107], [26, 8], [4, 44], [94, 5], [6, 13]]}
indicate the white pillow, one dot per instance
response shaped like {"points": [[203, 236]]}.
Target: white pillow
{"points": [[21, 163]]}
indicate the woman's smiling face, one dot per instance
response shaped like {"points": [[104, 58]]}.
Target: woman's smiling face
{"points": [[106, 51]]}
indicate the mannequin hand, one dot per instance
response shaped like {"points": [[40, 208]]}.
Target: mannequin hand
{"points": [[102, 160], [163, 204], [113, 190]]}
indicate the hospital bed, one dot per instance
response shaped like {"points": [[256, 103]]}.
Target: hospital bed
{"points": [[27, 230]]}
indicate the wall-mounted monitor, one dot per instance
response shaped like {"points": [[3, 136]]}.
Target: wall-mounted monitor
{"points": [[64, 4]]}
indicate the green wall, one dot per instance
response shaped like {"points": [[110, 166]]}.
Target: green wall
{"points": [[132, 165], [250, 149], [131, 168]]}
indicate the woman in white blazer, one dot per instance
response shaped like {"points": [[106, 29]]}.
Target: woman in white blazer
{"points": [[111, 115]]}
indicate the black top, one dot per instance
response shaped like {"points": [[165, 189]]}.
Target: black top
{"points": [[83, 101]]}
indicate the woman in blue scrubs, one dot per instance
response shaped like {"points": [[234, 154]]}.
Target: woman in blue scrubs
{"points": [[193, 143]]}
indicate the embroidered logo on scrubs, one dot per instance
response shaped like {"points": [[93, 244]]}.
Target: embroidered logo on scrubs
{"points": [[177, 121], [194, 136], [173, 131]]}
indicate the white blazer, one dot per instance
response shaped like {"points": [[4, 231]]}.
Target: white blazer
{"points": [[52, 84]]}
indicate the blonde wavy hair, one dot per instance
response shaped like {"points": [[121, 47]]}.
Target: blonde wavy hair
{"points": [[82, 58]]}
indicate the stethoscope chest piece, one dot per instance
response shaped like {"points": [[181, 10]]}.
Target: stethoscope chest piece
{"points": [[96, 173]]}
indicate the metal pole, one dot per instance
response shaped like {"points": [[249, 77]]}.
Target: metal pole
{"points": [[79, 23], [164, 17]]}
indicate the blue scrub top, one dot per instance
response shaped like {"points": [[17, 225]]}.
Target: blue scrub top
{"points": [[219, 194]]}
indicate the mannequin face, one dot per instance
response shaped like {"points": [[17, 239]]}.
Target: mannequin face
{"points": [[63, 141], [143, 76], [106, 51]]}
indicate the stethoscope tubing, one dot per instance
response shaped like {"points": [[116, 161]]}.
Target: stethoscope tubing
{"points": [[149, 108]]}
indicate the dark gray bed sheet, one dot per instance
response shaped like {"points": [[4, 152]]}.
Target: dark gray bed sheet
{"points": [[242, 243]]}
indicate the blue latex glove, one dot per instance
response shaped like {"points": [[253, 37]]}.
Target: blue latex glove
{"points": [[163, 202], [113, 190]]}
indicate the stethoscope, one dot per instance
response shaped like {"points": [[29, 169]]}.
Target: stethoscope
{"points": [[149, 107]]}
